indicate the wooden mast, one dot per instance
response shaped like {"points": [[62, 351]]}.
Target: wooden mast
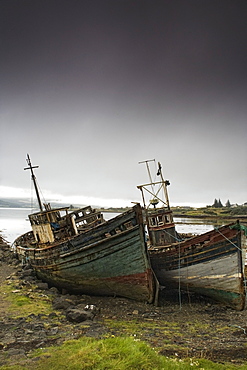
{"points": [[30, 167], [163, 183]]}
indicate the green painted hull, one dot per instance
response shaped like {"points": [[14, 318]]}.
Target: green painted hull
{"points": [[109, 259]]}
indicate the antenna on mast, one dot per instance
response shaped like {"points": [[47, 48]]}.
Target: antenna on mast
{"points": [[30, 167]]}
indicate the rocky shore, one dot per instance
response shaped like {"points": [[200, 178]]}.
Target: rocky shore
{"points": [[187, 327]]}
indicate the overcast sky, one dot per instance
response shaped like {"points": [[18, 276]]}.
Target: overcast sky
{"points": [[89, 88]]}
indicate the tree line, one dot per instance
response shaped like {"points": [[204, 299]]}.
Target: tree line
{"points": [[218, 203]]}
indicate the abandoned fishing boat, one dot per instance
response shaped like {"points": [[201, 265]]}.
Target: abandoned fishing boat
{"points": [[210, 264], [81, 252]]}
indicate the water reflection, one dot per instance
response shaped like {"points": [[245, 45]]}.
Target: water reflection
{"points": [[13, 222]]}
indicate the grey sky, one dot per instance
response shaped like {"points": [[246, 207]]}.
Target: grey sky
{"points": [[90, 88]]}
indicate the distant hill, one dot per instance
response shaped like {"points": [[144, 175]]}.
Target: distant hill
{"points": [[25, 203], [14, 203]]}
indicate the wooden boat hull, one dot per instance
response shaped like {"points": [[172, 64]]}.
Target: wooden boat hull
{"points": [[210, 264], [110, 259]]}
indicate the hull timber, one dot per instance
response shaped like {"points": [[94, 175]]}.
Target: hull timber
{"points": [[210, 264], [107, 259]]}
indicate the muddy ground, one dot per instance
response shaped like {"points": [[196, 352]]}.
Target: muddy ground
{"points": [[181, 325]]}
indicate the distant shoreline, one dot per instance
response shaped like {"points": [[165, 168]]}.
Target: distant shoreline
{"points": [[213, 218], [207, 213]]}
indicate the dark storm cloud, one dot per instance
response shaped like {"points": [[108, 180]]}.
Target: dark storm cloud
{"points": [[92, 44], [92, 87]]}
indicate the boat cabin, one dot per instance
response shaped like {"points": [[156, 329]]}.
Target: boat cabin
{"points": [[51, 225], [56, 224], [158, 218]]}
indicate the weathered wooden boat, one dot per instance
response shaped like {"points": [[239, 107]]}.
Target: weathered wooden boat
{"points": [[80, 252], [210, 264]]}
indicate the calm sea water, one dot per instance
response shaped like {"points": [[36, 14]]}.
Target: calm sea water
{"points": [[14, 222]]}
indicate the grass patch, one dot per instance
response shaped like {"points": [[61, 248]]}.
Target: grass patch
{"points": [[25, 301], [161, 329], [111, 354]]}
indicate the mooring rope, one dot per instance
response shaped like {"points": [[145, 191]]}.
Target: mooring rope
{"points": [[174, 237], [216, 229]]}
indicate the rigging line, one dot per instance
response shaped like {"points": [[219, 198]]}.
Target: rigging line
{"points": [[32, 196], [166, 232], [32, 201], [179, 280], [155, 177], [40, 191], [229, 240], [31, 190], [149, 174]]}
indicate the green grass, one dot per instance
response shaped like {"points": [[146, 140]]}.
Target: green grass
{"points": [[122, 353], [23, 302], [124, 348]]}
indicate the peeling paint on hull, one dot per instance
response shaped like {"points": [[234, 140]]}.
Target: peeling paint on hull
{"points": [[132, 286]]}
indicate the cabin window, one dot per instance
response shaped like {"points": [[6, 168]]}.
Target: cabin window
{"points": [[160, 221], [82, 223], [153, 221]]}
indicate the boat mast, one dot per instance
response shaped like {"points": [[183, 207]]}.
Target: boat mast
{"points": [[30, 167], [148, 169], [150, 178], [164, 184]]}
